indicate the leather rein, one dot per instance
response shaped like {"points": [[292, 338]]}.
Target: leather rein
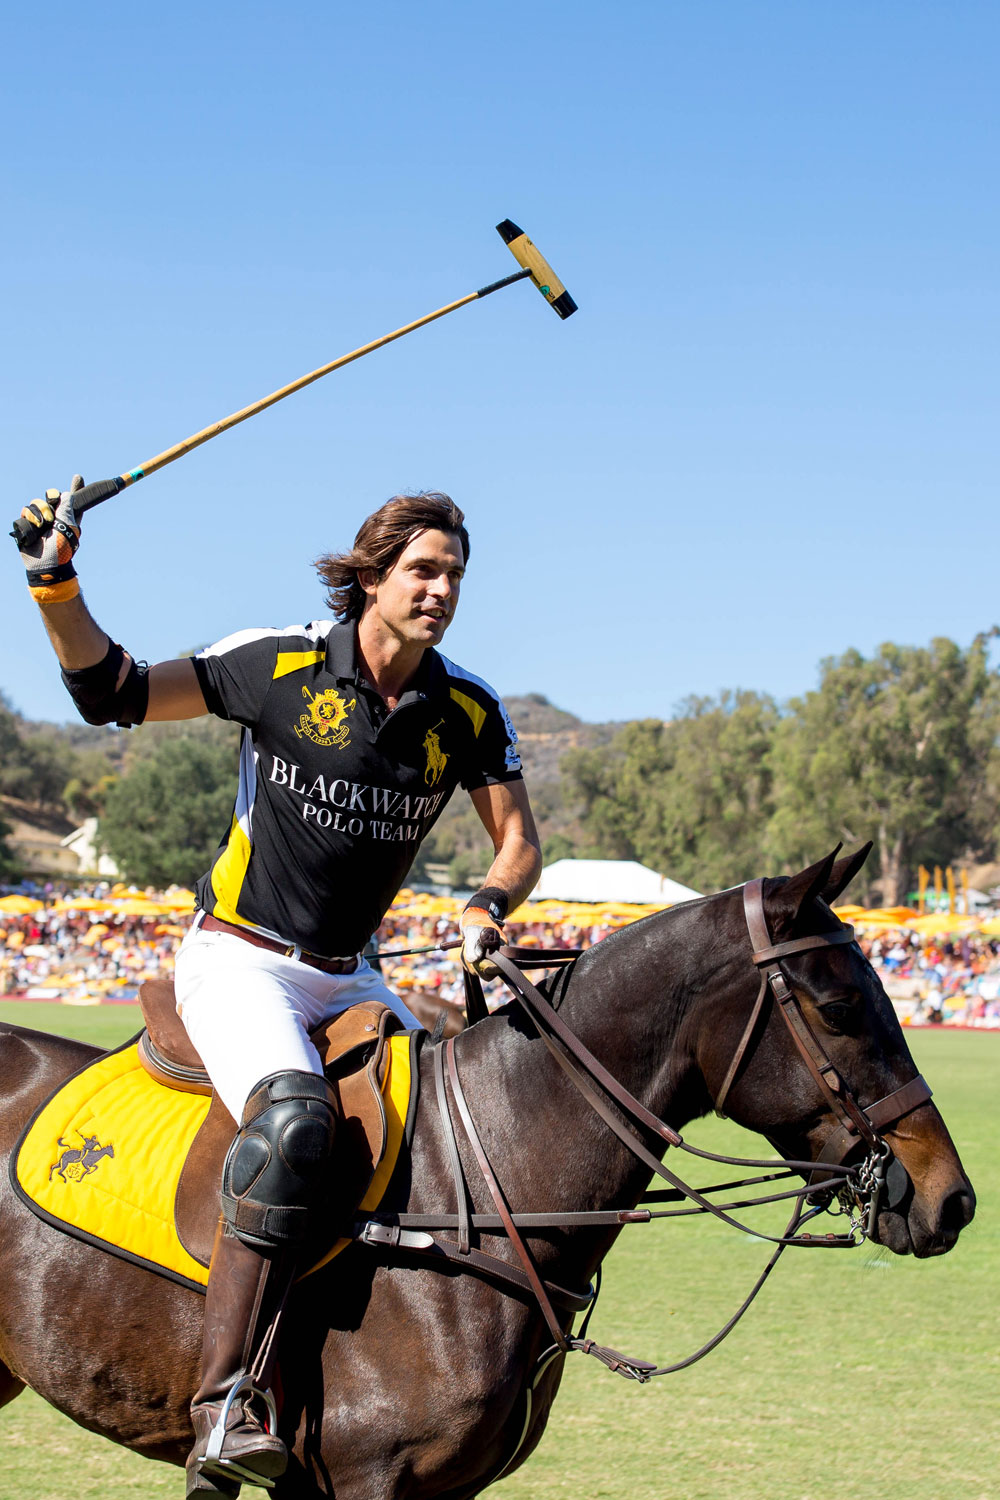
{"points": [[856, 1188]]}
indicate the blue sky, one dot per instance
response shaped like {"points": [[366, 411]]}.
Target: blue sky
{"points": [[769, 434]]}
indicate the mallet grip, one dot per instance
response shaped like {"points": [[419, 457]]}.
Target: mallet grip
{"points": [[25, 532]]}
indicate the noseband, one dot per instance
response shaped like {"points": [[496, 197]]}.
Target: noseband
{"points": [[856, 1122]]}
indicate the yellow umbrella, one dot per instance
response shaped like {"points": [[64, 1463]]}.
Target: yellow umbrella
{"points": [[169, 929], [136, 906], [78, 903], [20, 906], [939, 924], [991, 927], [180, 901], [898, 916]]}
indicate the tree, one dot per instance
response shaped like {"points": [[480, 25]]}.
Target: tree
{"points": [[897, 748], [8, 861], [164, 818], [557, 846], [691, 797], [85, 790]]}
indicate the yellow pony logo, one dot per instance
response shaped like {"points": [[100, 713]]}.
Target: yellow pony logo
{"points": [[436, 757]]}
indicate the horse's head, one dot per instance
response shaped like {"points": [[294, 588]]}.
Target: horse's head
{"points": [[816, 1092]]}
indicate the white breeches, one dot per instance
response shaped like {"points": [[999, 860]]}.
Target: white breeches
{"points": [[249, 1012]]}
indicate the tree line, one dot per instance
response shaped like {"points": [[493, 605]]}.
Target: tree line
{"points": [[902, 747]]}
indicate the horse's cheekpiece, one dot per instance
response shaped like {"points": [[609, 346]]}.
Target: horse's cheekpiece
{"points": [[119, 1160]]}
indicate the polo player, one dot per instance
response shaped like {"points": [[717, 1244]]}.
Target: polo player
{"points": [[355, 732]]}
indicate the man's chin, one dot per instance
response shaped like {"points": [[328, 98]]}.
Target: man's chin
{"points": [[429, 632]]}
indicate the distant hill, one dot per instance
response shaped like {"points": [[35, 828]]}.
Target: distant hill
{"points": [[545, 734]]}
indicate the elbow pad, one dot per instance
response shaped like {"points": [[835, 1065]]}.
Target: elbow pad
{"points": [[99, 700]]}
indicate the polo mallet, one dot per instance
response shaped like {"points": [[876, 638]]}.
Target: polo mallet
{"points": [[523, 251]]}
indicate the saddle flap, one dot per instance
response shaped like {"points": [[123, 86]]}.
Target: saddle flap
{"points": [[354, 1050]]}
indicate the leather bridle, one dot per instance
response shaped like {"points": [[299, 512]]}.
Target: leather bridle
{"points": [[830, 1176], [857, 1123]]}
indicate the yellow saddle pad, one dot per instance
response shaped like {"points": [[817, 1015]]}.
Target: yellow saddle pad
{"points": [[103, 1156]]}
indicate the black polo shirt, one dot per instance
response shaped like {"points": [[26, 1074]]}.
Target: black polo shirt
{"points": [[335, 792]]}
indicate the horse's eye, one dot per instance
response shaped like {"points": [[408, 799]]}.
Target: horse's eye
{"points": [[838, 1014]]}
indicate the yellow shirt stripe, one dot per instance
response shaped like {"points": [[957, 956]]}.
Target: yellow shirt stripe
{"points": [[291, 661], [472, 708], [229, 873]]}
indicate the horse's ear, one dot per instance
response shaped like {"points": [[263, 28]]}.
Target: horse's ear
{"points": [[843, 872], [799, 891]]}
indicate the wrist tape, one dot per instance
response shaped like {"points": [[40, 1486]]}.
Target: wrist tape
{"points": [[491, 900]]}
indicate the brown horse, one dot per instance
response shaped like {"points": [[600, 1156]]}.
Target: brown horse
{"points": [[402, 1379]]}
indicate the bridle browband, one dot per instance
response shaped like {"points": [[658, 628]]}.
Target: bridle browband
{"points": [[857, 1187]]}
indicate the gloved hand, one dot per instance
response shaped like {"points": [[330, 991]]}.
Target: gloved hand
{"points": [[49, 561], [482, 934]]}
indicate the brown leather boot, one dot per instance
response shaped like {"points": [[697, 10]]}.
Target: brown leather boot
{"points": [[234, 1418]]}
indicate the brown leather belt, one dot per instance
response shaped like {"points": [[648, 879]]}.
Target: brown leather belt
{"points": [[328, 965]]}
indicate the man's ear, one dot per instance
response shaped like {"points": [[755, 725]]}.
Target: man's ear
{"points": [[843, 873], [368, 579]]}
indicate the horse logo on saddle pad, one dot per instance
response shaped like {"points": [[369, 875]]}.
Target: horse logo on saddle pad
{"points": [[78, 1162], [155, 1199]]}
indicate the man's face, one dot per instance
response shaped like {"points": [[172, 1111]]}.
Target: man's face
{"points": [[418, 596]]}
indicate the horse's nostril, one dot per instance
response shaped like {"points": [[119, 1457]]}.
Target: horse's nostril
{"points": [[957, 1210]]}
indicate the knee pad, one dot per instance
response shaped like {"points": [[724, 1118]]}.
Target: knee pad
{"points": [[275, 1170]]}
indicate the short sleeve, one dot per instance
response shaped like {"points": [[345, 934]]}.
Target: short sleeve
{"points": [[236, 673], [493, 756]]}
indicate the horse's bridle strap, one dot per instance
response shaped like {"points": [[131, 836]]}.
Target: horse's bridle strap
{"points": [[900, 1102], [857, 1123], [778, 951]]}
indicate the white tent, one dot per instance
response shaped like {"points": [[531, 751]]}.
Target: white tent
{"points": [[608, 880]]}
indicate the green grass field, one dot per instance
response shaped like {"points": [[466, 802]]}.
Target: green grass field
{"points": [[855, 1375]]}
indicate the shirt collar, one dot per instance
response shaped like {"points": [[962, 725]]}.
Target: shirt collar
{"points": [[430, 681]]}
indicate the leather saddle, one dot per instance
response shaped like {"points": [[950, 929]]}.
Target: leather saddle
{"points": [[354, 1049]]}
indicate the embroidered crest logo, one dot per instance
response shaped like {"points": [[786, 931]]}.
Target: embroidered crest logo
{"points": [[436, 757], [325, 720], [77, 1162]]}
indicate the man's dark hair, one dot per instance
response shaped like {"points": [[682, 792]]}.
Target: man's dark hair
{"points": [[380, 541]]}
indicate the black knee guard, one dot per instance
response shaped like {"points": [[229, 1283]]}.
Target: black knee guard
{"points": [[274, 1172]]}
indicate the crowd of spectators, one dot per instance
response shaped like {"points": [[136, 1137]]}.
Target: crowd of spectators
{"points": [[102, 954], [937, 980]]}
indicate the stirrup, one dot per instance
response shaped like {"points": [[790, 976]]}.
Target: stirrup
{"points": [[212, 1459]]}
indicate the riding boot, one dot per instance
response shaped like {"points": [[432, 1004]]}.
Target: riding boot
{"points": [[233, 1416]]}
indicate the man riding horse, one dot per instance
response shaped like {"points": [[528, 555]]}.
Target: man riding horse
{"points": [[355, 733]]}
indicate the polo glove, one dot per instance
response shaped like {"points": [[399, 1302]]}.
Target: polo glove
{"points": [[481, 925], [51, 575]]}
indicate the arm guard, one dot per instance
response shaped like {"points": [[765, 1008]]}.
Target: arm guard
{"points": [[97, 697]]}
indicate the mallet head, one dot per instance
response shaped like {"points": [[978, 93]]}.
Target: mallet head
{"points": [[526, 254]]}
